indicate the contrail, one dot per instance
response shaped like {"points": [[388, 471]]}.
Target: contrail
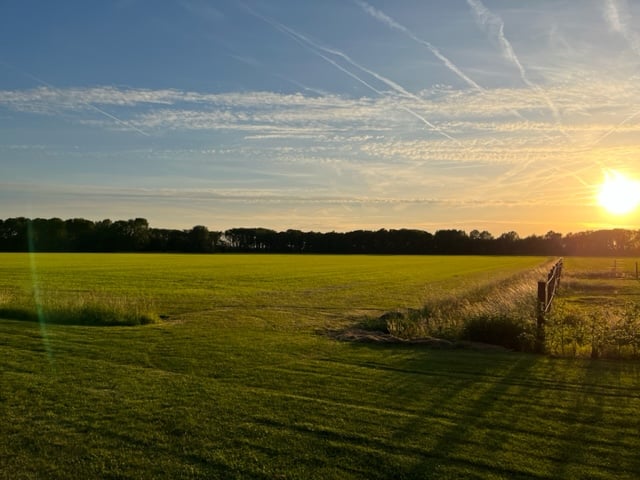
{"points": [[301, 39], [90, 105], [493, 21], [116, 119], [298, 84], [317, 49], [616, 14], [345, 57], [386, 19], [618, 17], [495, 26], [612, 16], [626, 120]]}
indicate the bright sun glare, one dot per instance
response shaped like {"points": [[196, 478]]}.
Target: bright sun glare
{"points": [[618, 194]]}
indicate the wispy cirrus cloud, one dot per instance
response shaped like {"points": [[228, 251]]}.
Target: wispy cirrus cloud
{"points": [[45, 99], [86, 105], [468, 114], [248, 196]]}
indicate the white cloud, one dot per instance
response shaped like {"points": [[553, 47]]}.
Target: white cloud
{"points": [[597, 107]]}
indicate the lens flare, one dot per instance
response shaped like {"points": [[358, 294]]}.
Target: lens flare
{"points": [[37, 297]]}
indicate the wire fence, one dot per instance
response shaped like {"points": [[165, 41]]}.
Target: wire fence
{"points": [[546, 292]]}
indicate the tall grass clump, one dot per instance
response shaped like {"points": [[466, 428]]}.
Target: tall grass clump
{"points": [[87, 308], [14, 305], [505, 314], [608, 329], [500, 312]]}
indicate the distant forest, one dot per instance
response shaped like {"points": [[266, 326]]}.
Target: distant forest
{"points": [[135, 235]]}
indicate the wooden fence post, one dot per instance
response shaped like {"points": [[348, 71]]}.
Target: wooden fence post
{"points": [[546, 292], [542, 305]]}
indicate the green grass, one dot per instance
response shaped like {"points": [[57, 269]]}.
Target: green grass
{"points": [[597, 310], [240, 380]]}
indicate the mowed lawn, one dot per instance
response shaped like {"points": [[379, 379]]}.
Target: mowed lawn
{"points": [[240, 380]]}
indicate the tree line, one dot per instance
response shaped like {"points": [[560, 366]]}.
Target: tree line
{"points": [[135, 235]]}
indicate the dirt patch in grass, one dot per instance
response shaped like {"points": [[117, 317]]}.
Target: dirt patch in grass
{"points": [[359, 335]]}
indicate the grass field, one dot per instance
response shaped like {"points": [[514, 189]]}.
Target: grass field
{"points": [[240, 381]]}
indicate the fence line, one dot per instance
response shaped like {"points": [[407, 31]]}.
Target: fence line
{"points": [[618, 270], [546, 291]]}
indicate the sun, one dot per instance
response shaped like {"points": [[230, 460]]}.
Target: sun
{"points": [[619, 195]]}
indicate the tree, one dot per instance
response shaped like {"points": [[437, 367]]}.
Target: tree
{"points": [[508, 243], [200, 240], [450, 241], [14, 234]]}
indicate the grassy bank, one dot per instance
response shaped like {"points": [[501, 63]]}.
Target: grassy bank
{"points": [[240, 380], [500, 311]]}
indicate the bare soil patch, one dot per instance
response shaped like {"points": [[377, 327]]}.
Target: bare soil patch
{"points": [[369, 336]]}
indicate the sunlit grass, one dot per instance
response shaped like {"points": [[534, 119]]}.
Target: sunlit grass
{"points": [[241, 382]]}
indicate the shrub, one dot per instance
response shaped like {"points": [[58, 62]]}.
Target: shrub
{"points": [[500, 329], [374, 324]]}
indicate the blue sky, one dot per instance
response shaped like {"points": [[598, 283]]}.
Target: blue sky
{"points": [[333, 115]]}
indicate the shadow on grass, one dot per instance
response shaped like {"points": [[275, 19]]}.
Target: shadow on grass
{"points": [[537, 418], [18, 313], [472, 431], [503, 415]]}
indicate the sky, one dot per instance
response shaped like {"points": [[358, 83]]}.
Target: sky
{"points": [[330, 115]]}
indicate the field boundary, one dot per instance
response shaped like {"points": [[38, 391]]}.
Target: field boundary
{"points": [[546, 292]]}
